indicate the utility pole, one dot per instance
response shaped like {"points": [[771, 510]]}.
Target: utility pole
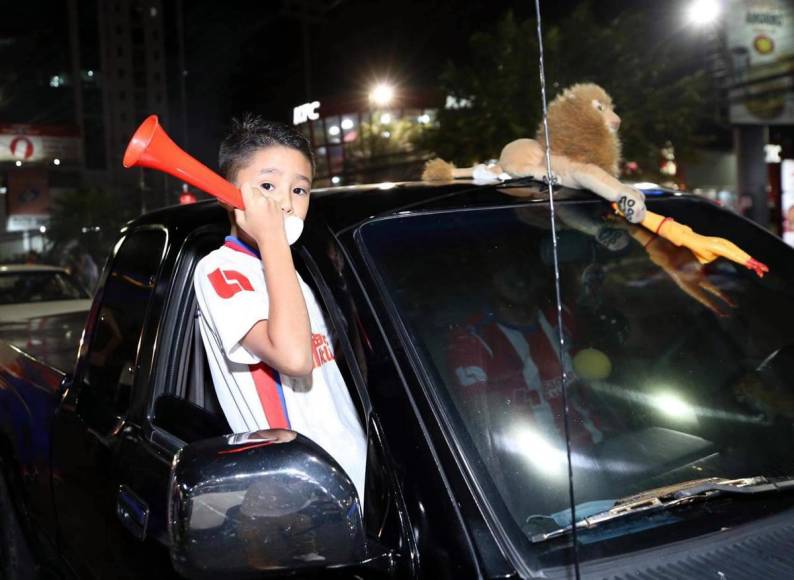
{"points": [[752, 178], [74, 50], [180, 29]]}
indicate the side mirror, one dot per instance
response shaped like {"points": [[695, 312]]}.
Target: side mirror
{"points": [[257, 502]]}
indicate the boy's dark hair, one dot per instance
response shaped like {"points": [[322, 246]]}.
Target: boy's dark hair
{"points": [[252, 133]]}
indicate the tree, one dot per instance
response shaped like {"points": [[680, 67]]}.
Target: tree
{"points": [[660, 93], [496, 94], [377, 139]]}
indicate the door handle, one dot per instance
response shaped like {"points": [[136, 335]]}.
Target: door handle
{"points": [[132, 511]]}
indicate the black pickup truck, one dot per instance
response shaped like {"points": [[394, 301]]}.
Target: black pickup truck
{"points": [[442, 305]]}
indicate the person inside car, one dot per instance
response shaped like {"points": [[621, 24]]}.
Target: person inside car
{"points": [[505, 362], [271, 360]]}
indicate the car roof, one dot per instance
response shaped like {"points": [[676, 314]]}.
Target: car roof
{"points": [[14, 268], [346, 206]]}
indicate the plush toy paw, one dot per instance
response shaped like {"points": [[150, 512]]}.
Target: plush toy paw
{"points": [[555, 179], [483, 172], [631, 203], [612, 238]]}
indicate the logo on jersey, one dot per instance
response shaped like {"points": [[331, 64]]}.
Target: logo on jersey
{"points": [[227, 283], [321, 350]]}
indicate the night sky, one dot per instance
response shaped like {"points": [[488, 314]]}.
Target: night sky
{"points": [[249, 55], [243, 57], [260, 53]]}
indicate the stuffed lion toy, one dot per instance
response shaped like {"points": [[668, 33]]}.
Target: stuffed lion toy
{"points": [[585, 151]]}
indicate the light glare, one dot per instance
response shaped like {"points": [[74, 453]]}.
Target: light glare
{"points": [[382, 94], [703, 12], [673, 406], [536, 450]]}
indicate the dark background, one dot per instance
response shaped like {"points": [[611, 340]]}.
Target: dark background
{"points": [[245, 55]]}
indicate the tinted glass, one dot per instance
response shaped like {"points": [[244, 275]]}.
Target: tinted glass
{"points": [[113, 352], [675, 371], [27, 287]]}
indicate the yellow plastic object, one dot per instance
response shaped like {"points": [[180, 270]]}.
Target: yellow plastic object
{"points": [[591, 364], [679, 263], [705, 248]]}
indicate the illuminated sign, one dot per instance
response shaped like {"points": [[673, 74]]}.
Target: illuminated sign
{"points": [[787, 201], [186, 198], [760, 58], [305, 112], [457, 103], [37, 143]]}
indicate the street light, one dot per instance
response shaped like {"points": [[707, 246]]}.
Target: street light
{"points": [[382, 94], [703, 13]]}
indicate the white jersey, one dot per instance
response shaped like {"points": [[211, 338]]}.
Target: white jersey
{"points": [[232, 297]]}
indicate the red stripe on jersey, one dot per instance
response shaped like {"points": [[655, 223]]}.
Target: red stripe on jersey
{"points": [[227, 283], [544, 354], [267, 389], [245, 447]]}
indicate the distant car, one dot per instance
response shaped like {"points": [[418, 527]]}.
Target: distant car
{"points": [[42, 310], [32, 291]]}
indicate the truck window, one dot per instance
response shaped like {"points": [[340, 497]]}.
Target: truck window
{"points": [[189, 409], [110, 370]]}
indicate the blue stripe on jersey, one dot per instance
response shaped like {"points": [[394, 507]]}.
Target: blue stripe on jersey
{"points": [[280, 388]]}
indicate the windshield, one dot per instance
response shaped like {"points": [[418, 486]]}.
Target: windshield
{"points": [[675, 371], [44, 286]]}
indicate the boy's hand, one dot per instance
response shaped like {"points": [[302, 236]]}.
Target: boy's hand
{"points": [[262, 218]]}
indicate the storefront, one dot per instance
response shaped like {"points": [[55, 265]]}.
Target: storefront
{"points": [[36, 161], [368, 138]]}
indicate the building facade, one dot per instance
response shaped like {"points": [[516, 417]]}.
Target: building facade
{"points": [[359, 139]]}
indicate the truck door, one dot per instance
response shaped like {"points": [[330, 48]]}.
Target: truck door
{"points": [[96, 423]]}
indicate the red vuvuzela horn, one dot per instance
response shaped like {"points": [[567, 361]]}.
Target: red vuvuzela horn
{"points": [[151, 146]]}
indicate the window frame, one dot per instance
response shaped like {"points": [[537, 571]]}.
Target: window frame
{"points": [[88, 341], [179, 320], [482, 491], [177, 323]]}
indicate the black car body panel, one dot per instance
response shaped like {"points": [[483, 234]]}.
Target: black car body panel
{"points": [[93, 468]]}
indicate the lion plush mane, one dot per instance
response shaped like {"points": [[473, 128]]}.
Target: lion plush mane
{"points": [[585, 151], [578, 131]]}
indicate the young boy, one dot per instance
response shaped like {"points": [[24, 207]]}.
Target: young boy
{"points": [[264, 333]]}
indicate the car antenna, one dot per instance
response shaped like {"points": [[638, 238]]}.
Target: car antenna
{"points": [[550, 181]]}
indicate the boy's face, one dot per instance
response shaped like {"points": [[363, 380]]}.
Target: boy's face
{"points": [[282, 172]]}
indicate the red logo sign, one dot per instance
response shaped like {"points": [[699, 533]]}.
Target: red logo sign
{"points": [[21, 147], [227, 283]]}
